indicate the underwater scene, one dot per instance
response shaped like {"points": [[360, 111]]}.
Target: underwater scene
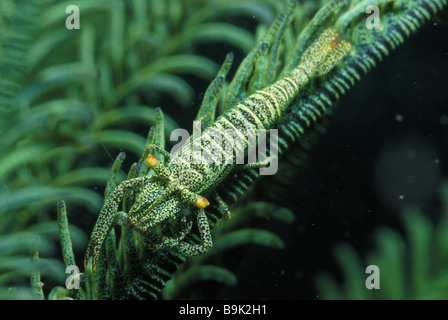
{"points": [[224, 149]]}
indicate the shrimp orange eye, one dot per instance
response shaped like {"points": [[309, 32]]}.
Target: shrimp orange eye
{"points": [[152, 161], [202, 203], [334, 43]]}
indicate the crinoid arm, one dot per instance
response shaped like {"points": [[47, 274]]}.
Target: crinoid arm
{"points": [[222, 208]]}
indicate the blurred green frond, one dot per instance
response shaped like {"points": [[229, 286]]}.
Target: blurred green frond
{"points": [[412, 267]]}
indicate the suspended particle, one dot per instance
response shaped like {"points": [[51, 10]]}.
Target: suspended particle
{"points": [[444, 120]]}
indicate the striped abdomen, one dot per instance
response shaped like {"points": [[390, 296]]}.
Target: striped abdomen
{"points": [[260, 110]]}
